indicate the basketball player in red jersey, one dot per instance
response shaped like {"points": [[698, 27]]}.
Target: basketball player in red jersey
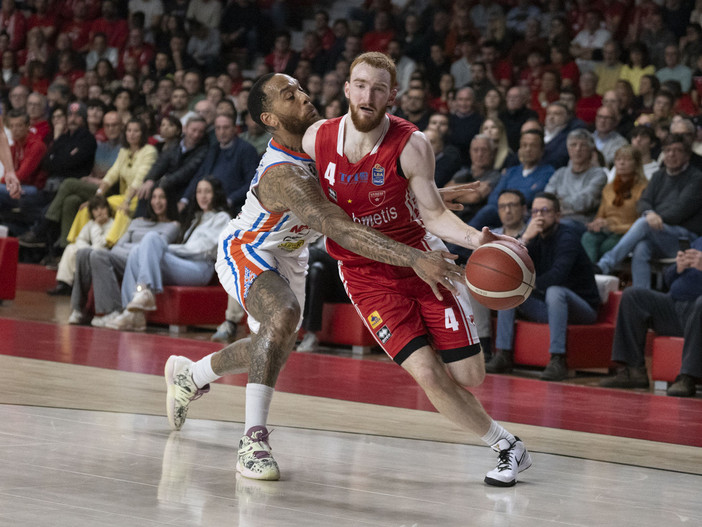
{"points": [[380, 170]]}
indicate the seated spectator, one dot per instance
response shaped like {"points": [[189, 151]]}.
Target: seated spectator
{"points": [[135, 159], [673, 70], [617, 211], [481, 170], [643, 139], [588, 43], [504, 157], [515, 115], [447, 158], [464, 122], [637, 67], [231, 160], [70, 156], [99, 49], [688, 131], [27, 152], [36, 110], [589, 101], [176, 166], [92, 236], [609, 70], [565, 290], [607, 140], [102, 269], [579, 185], [511, 206], [493, 104], [559, 122], [155, 263], [677, 313], [414, 108], [258, 137], [670, 208], [529, 177], [548, 92]]}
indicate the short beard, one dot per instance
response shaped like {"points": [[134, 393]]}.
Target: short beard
{"points": [[297, 126], [362, 125]]}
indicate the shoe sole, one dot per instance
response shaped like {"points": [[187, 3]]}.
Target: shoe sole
{"points": [[526, 463], [169, 373], [133, 308], [241, 469]]}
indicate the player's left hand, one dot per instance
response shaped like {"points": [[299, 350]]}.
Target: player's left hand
{"points": [[433, 268], [487, 236]]}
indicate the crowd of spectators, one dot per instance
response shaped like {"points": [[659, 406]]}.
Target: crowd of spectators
{"points": [[594, 103]]}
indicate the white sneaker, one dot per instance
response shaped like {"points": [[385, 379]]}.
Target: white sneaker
{"points": [[181, 389], [513, 459], [309, 343], [102, 321], [226, 333], [144, 300], [75, 318], [128, 321], [254, 459]]}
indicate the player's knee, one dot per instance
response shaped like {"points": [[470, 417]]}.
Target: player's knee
{"points": [[286, 318], [469, 376]]}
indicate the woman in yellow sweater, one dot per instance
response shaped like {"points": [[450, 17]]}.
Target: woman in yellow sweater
{"points": [[637, 66], [617, 212], [133, 162]]}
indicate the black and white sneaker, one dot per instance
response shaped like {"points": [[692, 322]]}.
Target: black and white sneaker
{"points": [[513, 459]]}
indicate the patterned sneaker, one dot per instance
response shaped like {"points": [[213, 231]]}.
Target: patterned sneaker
{"points": [[181, 389], [514, 458], [255, 460]]}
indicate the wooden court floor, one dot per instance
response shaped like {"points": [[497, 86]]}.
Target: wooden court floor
{"points": [[84, 441]]}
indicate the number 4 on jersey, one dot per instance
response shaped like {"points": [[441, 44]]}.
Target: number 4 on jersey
{"points": [[450, 319], [330, 173]]}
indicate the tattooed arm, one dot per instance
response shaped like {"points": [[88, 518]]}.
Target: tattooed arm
{"points": [[288, 187]]}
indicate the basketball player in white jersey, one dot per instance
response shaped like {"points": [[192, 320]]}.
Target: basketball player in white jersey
{"points": [[262, 262], [380, 170]]}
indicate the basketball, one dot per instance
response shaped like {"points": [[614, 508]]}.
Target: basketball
{"points": [[500, 274]]}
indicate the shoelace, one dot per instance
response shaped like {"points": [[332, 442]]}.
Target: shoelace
{"points": [[184, 394], [259, 446], [504, 459]]}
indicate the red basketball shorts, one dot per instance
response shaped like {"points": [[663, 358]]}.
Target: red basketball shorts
{"points": [[403, 314]]}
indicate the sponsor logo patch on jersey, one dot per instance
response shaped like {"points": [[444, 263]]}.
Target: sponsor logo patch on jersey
{"points": [[374, 319], [291, 246], [376, 197], [383, 334], [378, 175], [332, 194]]}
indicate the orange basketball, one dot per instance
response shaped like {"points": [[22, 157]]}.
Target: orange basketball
{"points": [[500, 274]]}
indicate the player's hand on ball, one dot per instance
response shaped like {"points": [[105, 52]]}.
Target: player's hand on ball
{"points": [[433, 268]]}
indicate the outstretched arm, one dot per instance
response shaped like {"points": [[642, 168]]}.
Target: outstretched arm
{"points": [[290, 187], [417, 161]]}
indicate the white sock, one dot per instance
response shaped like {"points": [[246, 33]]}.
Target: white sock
{"points": [[496, 433], [202, 371], [258, 401]]}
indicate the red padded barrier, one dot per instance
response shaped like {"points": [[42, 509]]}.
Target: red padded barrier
{"points": [[667, 358], [588, 346], [9, 250]]}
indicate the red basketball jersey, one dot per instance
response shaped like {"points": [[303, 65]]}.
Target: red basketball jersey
{"points": [[371, 191]]}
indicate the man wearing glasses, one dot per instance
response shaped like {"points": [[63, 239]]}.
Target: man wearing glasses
{"points": [[670, 207], [565, 291]]}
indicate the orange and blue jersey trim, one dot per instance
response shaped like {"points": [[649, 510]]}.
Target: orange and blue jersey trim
{"points": [[300, 156], [242, 252]]}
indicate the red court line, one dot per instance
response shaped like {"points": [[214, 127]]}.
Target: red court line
{"points": [[621, 413]]}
